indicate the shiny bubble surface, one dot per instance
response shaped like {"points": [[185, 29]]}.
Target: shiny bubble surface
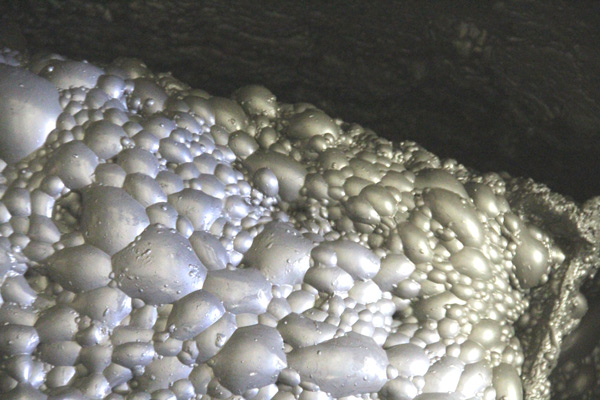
{"points": [[161, 243], [159, 267], [29, 108], [111, 218], [252, 358]]}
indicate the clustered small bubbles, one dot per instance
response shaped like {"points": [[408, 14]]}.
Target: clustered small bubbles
{"points": [[157, 242]]}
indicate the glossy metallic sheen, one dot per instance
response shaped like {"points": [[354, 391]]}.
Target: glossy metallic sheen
{"points": [[162, 243], [29, 108]]}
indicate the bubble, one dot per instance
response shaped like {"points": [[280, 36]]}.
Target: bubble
{"points": [[399, 388], [289, 172], [257, 100], [415, 243], [487, 333], [147, 96], [106, 305], [242, 290], [144, 189], [162, 373], [111, 218], [104, 138], [329, 279], [448, 209], [209, 250], [408, 359], [242, 144], [200, 208], [173, 151], [395, 268], [29, 108], [473, 263], [201, 108], [169, 272], [443, 375], [252, 358], [212, 340], [80, 268], [327, 365], [138, 160], [475, 379], [507, 383], [531, 260], [228, 114], [74, 163], [281, 253], [310, 123], [69, 74], [355, 259], [18, 339], [194, 313], [299, 331], [437, 178]]}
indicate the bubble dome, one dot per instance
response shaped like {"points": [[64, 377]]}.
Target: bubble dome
{"points": [[157, 242]]}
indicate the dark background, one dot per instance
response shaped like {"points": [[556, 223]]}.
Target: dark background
{"points": [[500, 86]]}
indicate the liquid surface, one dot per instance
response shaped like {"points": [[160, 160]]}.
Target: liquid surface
{"points": [[165, 244]]}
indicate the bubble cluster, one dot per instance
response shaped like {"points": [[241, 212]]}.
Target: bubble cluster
{"points": [[157, 242], [577, 371]]}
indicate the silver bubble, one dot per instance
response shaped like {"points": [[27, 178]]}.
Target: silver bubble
{"points": [[409, 360], [104, 138], [228, 114], [80, 268], [449, 209], [252, 358], [281, 253], [352, 364], [71, 74], [159, 267], [257, 100], [29, 108], [74, 163], [194, 313], [310, 123], [290, 173], [242, 290], [111, 218], [106, 304]]}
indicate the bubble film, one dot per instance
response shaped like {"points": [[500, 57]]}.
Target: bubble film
{"points": [[157, 242]]}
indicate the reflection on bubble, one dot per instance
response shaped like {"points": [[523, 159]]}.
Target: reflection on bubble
{"points": [[162, 243]]}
